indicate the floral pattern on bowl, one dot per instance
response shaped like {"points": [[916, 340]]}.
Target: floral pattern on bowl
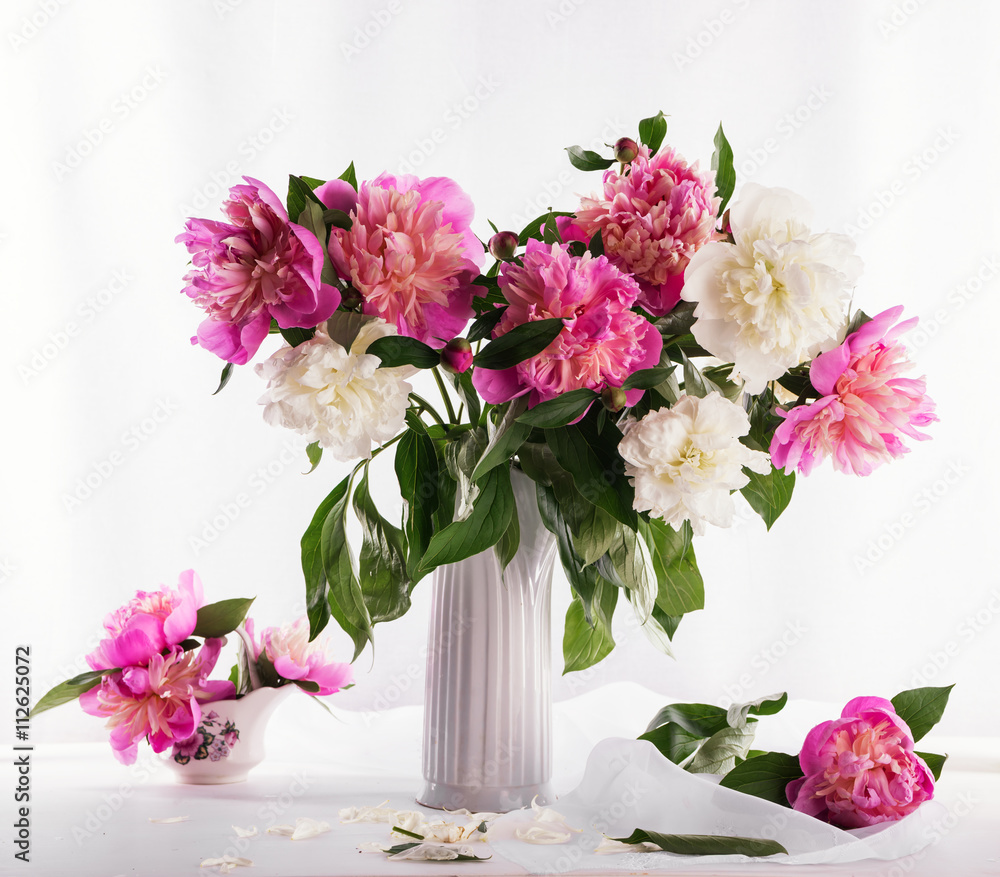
{"points": [[213, 739]]}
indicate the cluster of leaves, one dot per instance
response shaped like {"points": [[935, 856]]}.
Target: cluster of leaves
{"points": [[214, 620], [708, 739]]}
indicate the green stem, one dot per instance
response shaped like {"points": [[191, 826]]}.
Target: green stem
{"points": [[423, 403], [444, 395]]}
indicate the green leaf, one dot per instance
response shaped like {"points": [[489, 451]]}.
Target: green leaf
{"points": [[311, 218], [312, 182], [678, 322], [533, 228], [719, 753], [520, 343], [307, 686], [189, 644], [596, 245], [339, 219], [586, 644], [218, 619], [764, 776], [484, 324], [507, 439], [660, 628], [69, 690], [507, 547], [317, 606], [461, 455], [227, 373], [770, 705], [550, 232], [921, 708], [769, 494], [397, 350], [561, 410], [315, 453], [385, 585], [296, 336], [483, 528], [700, 719], [725, 172], [680, 587], [467, 393], [695, 383], [627, 563], [347, 603], [585, 160], [350, 176], [934, 761], [647, 378], [705, 844], [593, 459], [416, 465], [652, 131], [299, 194], [674, 742]]}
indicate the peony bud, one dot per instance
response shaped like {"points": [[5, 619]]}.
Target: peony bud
{"points": [[351, 299], [456, 356], [503, 245], [613, 398], [625, 149]]}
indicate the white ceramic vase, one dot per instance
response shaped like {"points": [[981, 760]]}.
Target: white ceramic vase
{"points": [[229, 740], [488, 700]]}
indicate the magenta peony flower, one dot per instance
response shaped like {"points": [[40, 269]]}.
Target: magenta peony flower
{"points": [[603, 340], [298, 660], [149, 623], [866, 407], [652, 219], [252, 268], [861, 769], [160, 702], [410, 252]]}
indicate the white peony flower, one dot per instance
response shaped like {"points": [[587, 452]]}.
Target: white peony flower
{"points": [[684, 461], [776, 297], [337, 397]]}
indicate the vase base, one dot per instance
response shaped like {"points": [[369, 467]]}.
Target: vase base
{"points": [[483, 799], [207, 780]]}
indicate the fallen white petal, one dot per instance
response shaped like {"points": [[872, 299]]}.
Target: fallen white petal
{"points": [[284, 830], [410, 820], [538, 834], [226, 863], [428, 853], [245, 832], [610, 845], [373, 847], [164, 820], [378, 813], [305, 828]]}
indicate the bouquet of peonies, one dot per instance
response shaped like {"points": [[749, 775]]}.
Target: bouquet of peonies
{"points": [[149, 675], [640, 359]]}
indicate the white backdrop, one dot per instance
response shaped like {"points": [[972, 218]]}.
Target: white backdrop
{"points": [[120, 469]]}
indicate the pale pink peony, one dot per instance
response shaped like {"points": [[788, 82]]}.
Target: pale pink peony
{"points": [[655, 214], [298, 660], [256, 266], [160, 702], [150, 622], [861, 769], [866, 408], [602, 342], [409, 252]]}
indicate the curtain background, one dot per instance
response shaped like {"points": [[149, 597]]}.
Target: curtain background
{"points": [[120, 469]]}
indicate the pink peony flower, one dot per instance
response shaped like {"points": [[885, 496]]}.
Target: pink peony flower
{"points": [[410, 252], [160, 702], [252, 268], [297, 659], [866, 407], [652, 219], [150, 622], [603, 341], [861, 769]]}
